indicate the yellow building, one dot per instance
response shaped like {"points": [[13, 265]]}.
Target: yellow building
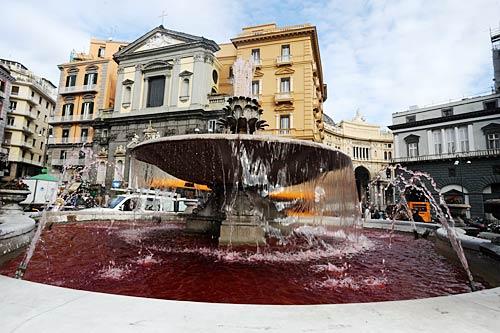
{"points": [[370, 149], [87, 84], [32, 99], [288, 78]]}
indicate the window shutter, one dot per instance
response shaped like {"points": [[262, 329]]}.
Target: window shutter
{"points": [[83, 108], [291, 84], [71, 107], [67, 80], [95, 78], [91, 107], [86, 79]]}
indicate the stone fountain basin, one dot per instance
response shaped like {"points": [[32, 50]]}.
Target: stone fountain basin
{"points": [[33, 307], [228, 158]]}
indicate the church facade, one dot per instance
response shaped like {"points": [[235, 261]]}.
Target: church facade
{"points": [[167, 84]]}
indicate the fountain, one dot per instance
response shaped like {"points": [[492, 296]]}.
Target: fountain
{"points": [[280, 226], [241, 167]]}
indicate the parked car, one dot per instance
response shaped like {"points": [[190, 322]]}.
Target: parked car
{"points": [[146, 203]]}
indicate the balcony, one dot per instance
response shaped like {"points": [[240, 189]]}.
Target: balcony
{"points": [[26, 145], [284, 60], [68, 161], [71, 118], [28, 130], [449, 156], [30, 161], [291, 132], [22, 113], [257, 62], [78, 89], [66, 140], [282, 97]]}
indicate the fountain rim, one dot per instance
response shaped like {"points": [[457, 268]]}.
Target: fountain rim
{"points": [[241, 137]]}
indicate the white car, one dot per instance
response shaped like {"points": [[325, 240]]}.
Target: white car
{"points": [[146, 203]]}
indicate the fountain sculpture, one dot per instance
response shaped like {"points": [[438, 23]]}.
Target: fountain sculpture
{"points": [[241, 168]]}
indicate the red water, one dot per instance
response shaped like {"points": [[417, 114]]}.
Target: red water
{"points": [[160, 261]]}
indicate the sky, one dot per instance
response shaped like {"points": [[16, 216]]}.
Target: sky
{"points": [[378, 56]]}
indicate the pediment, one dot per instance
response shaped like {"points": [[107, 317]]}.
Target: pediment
{"points": [[127, 82], [284, 71], [258, 73], [491, 128], [412, 138], [284, 108], [156, 65], [158, 40], [185, 73], [91, 68]]}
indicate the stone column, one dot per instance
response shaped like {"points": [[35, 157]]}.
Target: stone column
{"points": [[136, 95], [457, 142], [443, 140], [430, 145], [174, 94], [119, 90], [470, 135]]}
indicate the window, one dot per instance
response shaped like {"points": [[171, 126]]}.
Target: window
{"points": [[438, 144], [62, 154], [185, 89], [156, 90], [90, 79], [71, 80], [450, 139], [32, 94], [285, 85], [10, 121], [65, 135], [493, 141], [101, 52], [256, 56], [411, 119], [255, 88], [212, 125], [284, 124], [215, 76], [2, 86], [13, 105], [413, 149], [463, 139], [285, 52], [46, 105], [447, 112], [496, 169], [87, 110], [68, 110], [81, 155], [104, 133], [231, 73], [40, 100], [14, 90], [84, 135]]}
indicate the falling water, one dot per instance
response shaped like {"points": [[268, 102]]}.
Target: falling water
{"points": [[406, 179]]}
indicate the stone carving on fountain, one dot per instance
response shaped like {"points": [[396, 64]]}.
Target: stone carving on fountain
{"points": [[242, 116]]}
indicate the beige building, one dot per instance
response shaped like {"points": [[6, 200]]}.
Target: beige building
{"points": [[370, 149], [32, 99], [288, 78], [87, 84]]}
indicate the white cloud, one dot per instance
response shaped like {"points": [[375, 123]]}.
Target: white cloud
{"points": [[382, 56], [42, 34], [378, 55]]}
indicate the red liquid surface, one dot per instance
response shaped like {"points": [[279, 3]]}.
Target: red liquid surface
{"points": [[161, 261]]}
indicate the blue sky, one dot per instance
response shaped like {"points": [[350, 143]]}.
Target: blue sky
{"points": [[378, 56]]}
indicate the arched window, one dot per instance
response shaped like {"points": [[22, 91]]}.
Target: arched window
{"points": [[185, 88]]}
